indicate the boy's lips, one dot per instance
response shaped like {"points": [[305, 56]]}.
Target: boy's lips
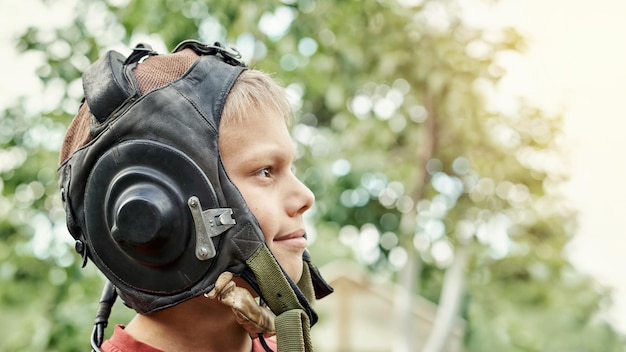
{"points": [[294, 239]]}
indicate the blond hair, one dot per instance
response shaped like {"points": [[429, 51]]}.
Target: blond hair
{"points": [[255, 92]]}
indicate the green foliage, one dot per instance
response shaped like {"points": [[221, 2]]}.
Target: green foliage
{"points": [[397, 139]]}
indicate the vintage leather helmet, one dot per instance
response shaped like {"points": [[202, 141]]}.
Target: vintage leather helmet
{"points": [[147, 197]]}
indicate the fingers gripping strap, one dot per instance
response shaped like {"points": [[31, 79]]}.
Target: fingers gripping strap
{"points": [[292, 331], [292, 322]]}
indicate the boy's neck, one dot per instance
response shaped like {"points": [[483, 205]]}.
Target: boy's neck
{"points": [[200, 324]]}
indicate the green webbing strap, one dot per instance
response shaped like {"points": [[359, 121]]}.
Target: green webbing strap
{"points": [[306, 283], [292, 331], [292, 323]]}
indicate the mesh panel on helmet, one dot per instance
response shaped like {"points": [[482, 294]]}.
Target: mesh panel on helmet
{"points": [[77, 133], [159, 70], [154, 72]]}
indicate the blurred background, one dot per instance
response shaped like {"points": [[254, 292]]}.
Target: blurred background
{"points": [[461, 153]]}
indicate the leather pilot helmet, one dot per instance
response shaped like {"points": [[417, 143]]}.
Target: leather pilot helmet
{"points": [[146, 195]]}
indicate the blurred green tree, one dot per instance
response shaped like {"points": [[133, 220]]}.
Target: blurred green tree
{"points": [[418, 174]]}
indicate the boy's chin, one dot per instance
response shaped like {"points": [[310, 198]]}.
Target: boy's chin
{"points": [[295, 273]]}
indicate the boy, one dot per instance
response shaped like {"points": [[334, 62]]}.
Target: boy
{"points": [[187, 223]]}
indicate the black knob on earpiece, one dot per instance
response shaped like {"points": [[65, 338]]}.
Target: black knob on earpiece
{"points": [[143, 216]]}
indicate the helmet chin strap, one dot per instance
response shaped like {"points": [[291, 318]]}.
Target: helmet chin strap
{"points": [[294, 315]]}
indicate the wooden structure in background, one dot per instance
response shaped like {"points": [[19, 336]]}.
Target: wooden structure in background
{"points": [[360, 315]]}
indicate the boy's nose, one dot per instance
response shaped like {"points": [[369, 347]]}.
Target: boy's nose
{"points": [[301, 199]]}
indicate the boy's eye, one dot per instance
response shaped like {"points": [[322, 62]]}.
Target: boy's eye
{"points": [[265, 172]]}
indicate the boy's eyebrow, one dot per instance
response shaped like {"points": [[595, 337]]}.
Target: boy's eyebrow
{"points": [[265, 152]]}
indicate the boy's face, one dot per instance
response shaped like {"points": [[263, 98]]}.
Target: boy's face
{"points": [[258, 154]]}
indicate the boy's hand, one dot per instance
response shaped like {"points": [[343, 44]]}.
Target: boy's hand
{"points": [[253, 317]]}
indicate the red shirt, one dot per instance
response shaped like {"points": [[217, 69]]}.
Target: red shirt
{"points": [[123, 342]]}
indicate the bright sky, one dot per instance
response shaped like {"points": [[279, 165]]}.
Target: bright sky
{"points": [[576, 60], [17, 73]]}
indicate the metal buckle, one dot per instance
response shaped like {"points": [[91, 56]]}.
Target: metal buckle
{"points": [[230, 55], [208, 223]]}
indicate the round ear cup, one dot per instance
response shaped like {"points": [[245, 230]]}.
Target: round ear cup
{"points": [[138, 222]]}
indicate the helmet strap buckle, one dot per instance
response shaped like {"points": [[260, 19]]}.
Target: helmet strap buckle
{"points": [[208, 224]]}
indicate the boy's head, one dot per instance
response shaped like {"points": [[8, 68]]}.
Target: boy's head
{"points": [[163, 204]]}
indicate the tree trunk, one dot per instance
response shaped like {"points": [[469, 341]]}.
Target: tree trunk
{"points": [[450, 302], [409, 279]]}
